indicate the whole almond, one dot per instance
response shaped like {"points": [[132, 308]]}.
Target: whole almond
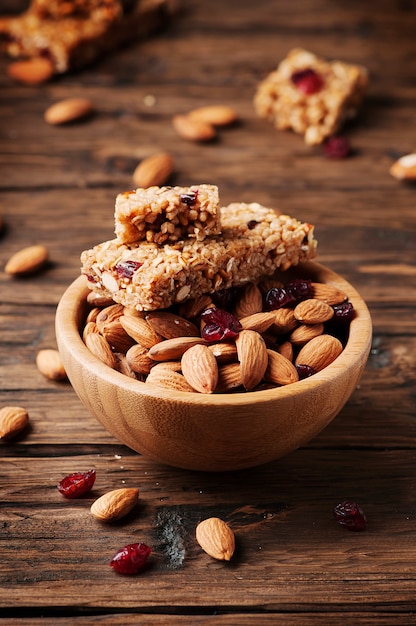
{"points": [[117, 337], [97, 299], [405, 167], [328, 293], [68, 110], [173, 349], [193, 130], [13, 420], [250, 301], [216, 538], [168, 379], [99, 346], [139, 360], [169, 325], [284, 321], [194, 307], [49, 363], [313, 311], [319, 352], [224, 352], [259, 322], [229, 377], [123, 366], [280, 370], [109, 314], [140, 331], [253, 357], [154, 170], [31, 71], [115, 504], [90, 327], [215, 114], [27, 260], [304, 333], [92, 315], [200, 368], [286, 350]]}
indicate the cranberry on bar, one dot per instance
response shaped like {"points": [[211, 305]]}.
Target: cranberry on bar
{"points": [[167, 214], [311, 96]]}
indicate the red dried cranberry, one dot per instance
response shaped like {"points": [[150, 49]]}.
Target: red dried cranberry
{"points": [[337, 147], [126, 269], [76, 485], [304, 371], [225, 298], [300, 289], [90, 278], [276, 298], [343, 312], [307, 81], [131, 558], [220, 325], [349, 514], [252, 224], [189, 198]]}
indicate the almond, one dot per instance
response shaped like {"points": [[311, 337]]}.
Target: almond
{"points": [[229, 377], [99, 346], [304, 333], [123, 366], [313, 311], [328, 293], [200, 368], [253, 357], [194, 307], [49, 363], [92, 315], [27, 260], [140, 331], [139, 359], [224, 352], [172, 349], [173, 366], [215, 114], [109, 314], [68, 110], [249, 302], [115, 504], [31, 71], [90, 327], [405, 167], [319, 352], [193, 130], [216, 538], [98, 300], [168, 379], [154, 170], [117, 337], [284, 321], [286, 350], [280, 370], [169, 325], [259, 322], [13, 419]]}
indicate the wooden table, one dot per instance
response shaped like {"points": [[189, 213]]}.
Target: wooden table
{"points": [[293, 564]]}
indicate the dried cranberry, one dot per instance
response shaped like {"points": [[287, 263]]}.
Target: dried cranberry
{"points": [[189, 198], [307, 81], [76, 485], [126, 269], [276, 298], [225, 298], [90, 278], [337, 148], [220, 325], [131, 558], [300, 289], [343, 312], [252, 224], [304, 371], [349, 514]]}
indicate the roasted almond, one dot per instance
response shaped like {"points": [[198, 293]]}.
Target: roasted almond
{"points": [[139, 360], [49, 363], [286, 350], [200, 368], [115, 504], [153, 170], [280, 370], [313, 311], [169, 325], [31, 71], [405, 167], [13, 419], [168, 379], [328, 293], [216, 538], [117, 337], [259, 322], [253, 357], [304, 333], [250, 301], [215, 114], [140, 331], [98, 300], [68, 110], [27, 260], [99, 346], [229, 377], [319, 352], [224, 352], [109, 314], [192, 129], [284, 321], [173, 349]]}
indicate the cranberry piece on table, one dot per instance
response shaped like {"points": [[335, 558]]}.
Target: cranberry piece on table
{"points": [[220, 325], [349, 514], [307, 81], [337, 148], [76, 485], [131, 558]]}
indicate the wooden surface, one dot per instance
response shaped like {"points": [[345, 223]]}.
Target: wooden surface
{"points": [[293, 564]]}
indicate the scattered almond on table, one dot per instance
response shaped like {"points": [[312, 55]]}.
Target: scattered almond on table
{"points": [[153, 170], [68, 110], [27, 260], [115, 504], [216, 538], [31, 71], [49, 363], [13, 419], [404, 168]]}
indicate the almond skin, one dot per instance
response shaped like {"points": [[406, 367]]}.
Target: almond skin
{"points": [[216, 538], [49, 363], [193, 130], [32, 71], [115, 504], [319, 352], [27, 260], [215, 114], [252, 354], [68, 110], [154, 170], [200, 368], [13, 419]]}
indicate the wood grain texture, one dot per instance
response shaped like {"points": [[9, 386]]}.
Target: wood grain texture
{"points": [[293, 564]]}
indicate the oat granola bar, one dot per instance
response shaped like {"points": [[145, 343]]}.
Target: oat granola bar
{"points": [[167, 214], [74, 33], [311, 96], [255, 242]]}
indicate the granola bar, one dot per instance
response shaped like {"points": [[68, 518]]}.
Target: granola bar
{"points": [[74, 33], [255, 242], [167, 214], [311, 96]]}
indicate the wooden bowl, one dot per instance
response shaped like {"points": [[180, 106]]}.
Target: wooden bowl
{"points": [[212, 432]]}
